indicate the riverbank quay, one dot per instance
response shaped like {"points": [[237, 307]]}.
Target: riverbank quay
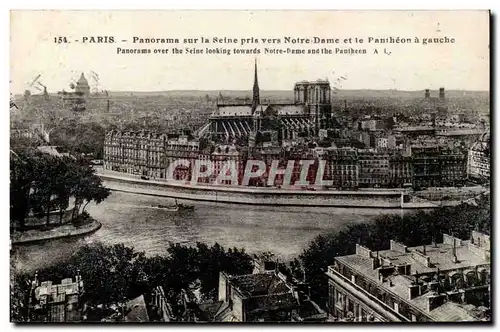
{"points": [[375, 198]]}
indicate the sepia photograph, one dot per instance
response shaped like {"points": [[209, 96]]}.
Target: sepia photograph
{"points": [[328, 167]]}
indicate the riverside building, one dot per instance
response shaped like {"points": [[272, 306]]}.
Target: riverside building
{"points": [[448, 281], [150, 155], [266, 295]]}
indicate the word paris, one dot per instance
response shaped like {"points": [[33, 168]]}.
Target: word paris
{"points": [[303, 172]]}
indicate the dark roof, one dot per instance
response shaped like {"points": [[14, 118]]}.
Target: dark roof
{"points": [[259, 284], [453, 312], [209, 310], [310, 310]]}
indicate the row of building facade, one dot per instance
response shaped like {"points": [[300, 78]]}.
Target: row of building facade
{"points": [[150, 154], [280, 131]]}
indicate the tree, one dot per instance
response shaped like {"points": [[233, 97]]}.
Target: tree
{"points": [[19, 295], [21, 179], [86, 186], [41, 183], [213, 260], [150, 272], [107, 272], [63, 186], [114, 274], [184, 267], [78, 137]]}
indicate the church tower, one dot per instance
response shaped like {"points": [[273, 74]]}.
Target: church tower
{"points": [[256, 97]]}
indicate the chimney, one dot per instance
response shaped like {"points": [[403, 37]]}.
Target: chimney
{"points": [[79, 282], [295, 292], [413, 291], [363, 251], [455, 258], [427, 94], [375, 262], [399, 247], [441, 93], [223, 287], [435, 301], [36, 282], [434, 286], [434, 244], [421, 258], [450, 239]]}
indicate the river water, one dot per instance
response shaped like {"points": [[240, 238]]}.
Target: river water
{"points": [[130, 219]]}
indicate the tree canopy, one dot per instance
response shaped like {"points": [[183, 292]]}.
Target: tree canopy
{"points": [[113, 274]]}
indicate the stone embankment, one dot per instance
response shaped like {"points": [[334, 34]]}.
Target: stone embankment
{"points": [[375, 198], [63, 231]]}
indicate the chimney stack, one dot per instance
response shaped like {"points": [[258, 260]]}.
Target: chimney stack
{"points": [[376, 261], [455, 258], [433, 243], [35, 282]]}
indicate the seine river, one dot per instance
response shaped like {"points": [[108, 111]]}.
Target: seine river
{"points": [[130, 219]]}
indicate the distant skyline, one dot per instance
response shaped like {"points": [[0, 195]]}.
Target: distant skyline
{"points": [[463, 65]]}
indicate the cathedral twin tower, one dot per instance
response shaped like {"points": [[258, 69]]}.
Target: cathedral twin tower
{"points": [[315, 96], [309, 112]]}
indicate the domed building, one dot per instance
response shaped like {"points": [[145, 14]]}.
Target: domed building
{"points": [[478, 162], [82, 86]]}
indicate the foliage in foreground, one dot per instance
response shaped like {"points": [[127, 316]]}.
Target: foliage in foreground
{"points": [[113, 274]]}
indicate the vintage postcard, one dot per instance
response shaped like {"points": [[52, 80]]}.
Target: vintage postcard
{"points": [[250, 166]]}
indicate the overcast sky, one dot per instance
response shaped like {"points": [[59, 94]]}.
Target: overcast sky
{"points": [[462, 65]]}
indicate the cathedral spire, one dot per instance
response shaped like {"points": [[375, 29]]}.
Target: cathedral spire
{"points": [[256, 98]]}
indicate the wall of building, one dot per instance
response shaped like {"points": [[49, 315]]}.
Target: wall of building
{"points": [[237, 305], [150, 156]]}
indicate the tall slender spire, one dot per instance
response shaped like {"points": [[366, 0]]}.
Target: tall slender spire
{"points": [[256, 97]]}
